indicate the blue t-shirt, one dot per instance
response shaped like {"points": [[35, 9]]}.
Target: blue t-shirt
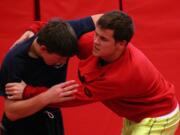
{"points": [[18, 66]]}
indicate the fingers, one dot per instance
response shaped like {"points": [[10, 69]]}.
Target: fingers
{"points": [[13, 97], [11, 84], [10, 97], [68, 93], [67, 83], [68, 88], [22, 82], [13, 89], [58, 96], [15, 84], [71, 87], [14, 92], [67, 98]]}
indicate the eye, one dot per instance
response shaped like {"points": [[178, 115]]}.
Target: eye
{"points": [[103, 39]]}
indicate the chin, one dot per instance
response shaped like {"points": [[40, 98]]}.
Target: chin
{"points": [[49, 64], [95, 53]]}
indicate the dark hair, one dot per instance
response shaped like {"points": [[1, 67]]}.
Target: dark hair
{"points": [[59, 37], [120, 23]]}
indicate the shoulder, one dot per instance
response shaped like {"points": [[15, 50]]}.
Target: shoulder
{"points": [[85, 45], [18, 52]]}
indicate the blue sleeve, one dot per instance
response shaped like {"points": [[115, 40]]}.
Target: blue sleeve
{"points": [[82, 26], [8, 73], [3, 80], [1, 91]]}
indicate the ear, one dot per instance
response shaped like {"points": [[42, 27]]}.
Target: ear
{"points": [[43, 48], [121, 43]]}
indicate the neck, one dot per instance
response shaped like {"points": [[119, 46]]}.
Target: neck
{"points": [[117, 55], [33, 52]]}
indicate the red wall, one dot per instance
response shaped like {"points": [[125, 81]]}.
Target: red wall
{"points": [[157, 34], [13, 23]]}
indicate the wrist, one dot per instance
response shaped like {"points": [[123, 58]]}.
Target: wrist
{"points": [[43, 97]]}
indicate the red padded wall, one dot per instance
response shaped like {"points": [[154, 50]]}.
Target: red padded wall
{"points": [[157, 34], [15, 18], [70, 9]]}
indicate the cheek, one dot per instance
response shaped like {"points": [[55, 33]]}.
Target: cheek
{"points": [[54, 61], [108, 50], [106, 47], [51, 60]]}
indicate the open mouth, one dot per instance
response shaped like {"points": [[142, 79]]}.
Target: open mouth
{"points": [[96, 49]]}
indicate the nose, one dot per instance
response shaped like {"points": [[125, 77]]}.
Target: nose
{"points": [[59, 64], [62, 61], [96, 39]]}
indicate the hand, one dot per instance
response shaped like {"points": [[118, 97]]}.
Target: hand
{"points": [[15, 90], [25, 36], [61, 92]]}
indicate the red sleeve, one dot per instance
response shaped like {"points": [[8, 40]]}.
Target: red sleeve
{"points": [[31, 91], [85, 45], [36, 26]]}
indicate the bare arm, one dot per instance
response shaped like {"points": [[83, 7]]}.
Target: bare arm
{"points": [[23, 108], [16, 109], [69, 93], [28, 34], [17, 93]]}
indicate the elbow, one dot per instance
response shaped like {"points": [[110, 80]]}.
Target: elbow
{"points": [[10, 113], [11, 116]]}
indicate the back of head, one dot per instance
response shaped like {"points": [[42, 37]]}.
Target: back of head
{"points": [[58, 37], [120, 23]]}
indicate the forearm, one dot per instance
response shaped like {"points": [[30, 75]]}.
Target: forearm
{"points": [[31, 91], [23, 108], [72, 103], [96, 17]]}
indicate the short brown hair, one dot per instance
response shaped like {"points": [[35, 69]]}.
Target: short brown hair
{"points": [[120, 23], [59, 37]]}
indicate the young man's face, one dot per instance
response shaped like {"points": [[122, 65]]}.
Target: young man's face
{"points": [[104, 43], [53, 59]]}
